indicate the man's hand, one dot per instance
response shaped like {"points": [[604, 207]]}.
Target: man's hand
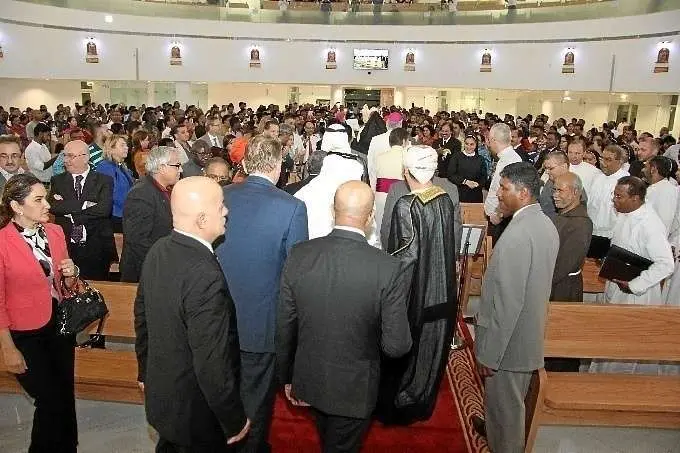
{"points": [[239, 437], [471, 184], [623, 286], [14, 360], [484, 371], [141, 386], [288, 388], [495, 219]]}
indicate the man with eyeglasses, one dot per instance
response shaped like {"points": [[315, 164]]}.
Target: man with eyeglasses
{"points": [[200, 154], [10, 159], [213, 137], [81, 201], [218, 170], [146, 215]]}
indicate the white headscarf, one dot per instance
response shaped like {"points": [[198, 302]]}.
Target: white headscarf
{"points": [[319, 194], [335, 139], [421, 162]]}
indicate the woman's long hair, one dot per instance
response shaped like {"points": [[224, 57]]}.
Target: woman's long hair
{"points": [[17, 189], [374, 126]]}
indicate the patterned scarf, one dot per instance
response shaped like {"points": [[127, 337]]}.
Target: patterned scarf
{"points": [[37, 241]]}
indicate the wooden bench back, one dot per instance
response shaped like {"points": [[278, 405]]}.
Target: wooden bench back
{"points": [[592, 283], [633, 332], [473, 213], [120, 300]]}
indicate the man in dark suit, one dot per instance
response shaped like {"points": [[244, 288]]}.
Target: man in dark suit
{"points": [[185, 325], [343, 304], [10, 158], [313, 167], [445, 146], [264, 224], [81, 200], [213, 136], [146, 214]]}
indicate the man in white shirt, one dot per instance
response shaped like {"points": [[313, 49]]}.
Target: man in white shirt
{"points": [[600, 199], [500, 147], [380, 144], [584, 170], [662, 194], [38, 156], [10, 159]]}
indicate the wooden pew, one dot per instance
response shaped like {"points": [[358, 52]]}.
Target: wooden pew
{"points": [[617, 332], [592, 283], [473, 213], [105, 375]]}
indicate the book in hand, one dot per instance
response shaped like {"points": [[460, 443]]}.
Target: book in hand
{"points": [[621, 264]]}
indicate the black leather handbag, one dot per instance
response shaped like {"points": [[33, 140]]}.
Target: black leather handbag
{"points": [[81, 306]]}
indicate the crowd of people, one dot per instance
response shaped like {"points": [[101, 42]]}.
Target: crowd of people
{"points": [[315, 248]]}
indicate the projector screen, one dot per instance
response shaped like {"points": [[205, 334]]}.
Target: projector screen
{"points": [[369, 59]]}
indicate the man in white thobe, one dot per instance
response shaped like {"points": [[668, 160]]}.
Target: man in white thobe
{"points": [[585, 171], [500, 147], [638, 230], [380, 144], [600, 199]]}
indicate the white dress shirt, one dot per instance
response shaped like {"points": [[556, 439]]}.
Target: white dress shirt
{"points": [[349, 228], [36, 156], [8, 175], [506, 157], [601, 205], [207, 244]]}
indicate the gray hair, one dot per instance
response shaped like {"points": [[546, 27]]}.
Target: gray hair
{"points": [[286, 129], [501, 132], [315, 161], [159, 156], [575, 182]]}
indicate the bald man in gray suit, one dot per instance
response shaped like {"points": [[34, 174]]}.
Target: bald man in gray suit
{"points": [[511, 321]]}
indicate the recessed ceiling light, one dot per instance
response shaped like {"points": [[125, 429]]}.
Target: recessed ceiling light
{"points": [[108, 18]]}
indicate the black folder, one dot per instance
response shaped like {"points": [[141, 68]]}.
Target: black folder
{"points": [[621, 264]]}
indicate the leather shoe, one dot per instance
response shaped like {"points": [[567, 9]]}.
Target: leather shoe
{"points": [[478, 425]]}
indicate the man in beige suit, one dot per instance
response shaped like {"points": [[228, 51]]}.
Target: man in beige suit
{"points": [[511, 320]]}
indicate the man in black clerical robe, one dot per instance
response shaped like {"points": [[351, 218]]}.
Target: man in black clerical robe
{"points": [[422, 235]]}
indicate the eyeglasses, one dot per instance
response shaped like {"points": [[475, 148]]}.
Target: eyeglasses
{"points": [[177, 166], [217, 178], [73, 156]]}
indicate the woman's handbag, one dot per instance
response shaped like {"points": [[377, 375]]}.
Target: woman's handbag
{"points": [[80, 307]]}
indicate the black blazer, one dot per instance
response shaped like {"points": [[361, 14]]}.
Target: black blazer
{"points": [[187, 344], [454, 145], [146, 219], [343, 303], [98, 188]]}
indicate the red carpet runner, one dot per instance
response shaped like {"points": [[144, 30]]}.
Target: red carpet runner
{"points": [[448, 431]]}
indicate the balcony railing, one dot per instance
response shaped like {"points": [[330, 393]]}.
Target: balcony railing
{"points": [[372, 12]]}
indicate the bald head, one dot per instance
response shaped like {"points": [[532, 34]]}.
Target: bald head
{"points": [[353, 205], [197, 207], [76, 157]]}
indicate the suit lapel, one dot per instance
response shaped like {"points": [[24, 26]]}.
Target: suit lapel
{"points": [[88, 186]]}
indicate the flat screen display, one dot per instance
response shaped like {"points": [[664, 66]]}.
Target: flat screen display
{"points": [[369, 59]]}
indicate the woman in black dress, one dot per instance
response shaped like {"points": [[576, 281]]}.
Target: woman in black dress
{"points": [[467, 171]]}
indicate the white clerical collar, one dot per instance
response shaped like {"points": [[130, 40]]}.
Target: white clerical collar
{"points": [[8, 175], [349, 228], [199, 239], [262, 175]]}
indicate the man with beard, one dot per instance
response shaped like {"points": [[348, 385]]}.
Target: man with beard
{"points": [[422, 236]]}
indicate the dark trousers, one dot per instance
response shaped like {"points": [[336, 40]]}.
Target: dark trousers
{"points": [[562, 364], [165, 446], [257, 393], [495, 231], [93, 264], [49, 381], [340, 434]]}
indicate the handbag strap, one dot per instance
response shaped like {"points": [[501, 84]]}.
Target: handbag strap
{"points": [[94, 338]]}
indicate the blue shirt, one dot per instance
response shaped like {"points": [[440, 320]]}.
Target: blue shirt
{"points": [[122, 183]]}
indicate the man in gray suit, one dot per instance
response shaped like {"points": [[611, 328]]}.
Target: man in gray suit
{"points": [[213, 136], [511, 320], [10, 159]]}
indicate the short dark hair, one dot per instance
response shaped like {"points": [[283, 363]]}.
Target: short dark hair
{"points": [[398, 136], [167, 141], [40, 128], [636, 186], [523, 175], [559, 156], [663, 164]]}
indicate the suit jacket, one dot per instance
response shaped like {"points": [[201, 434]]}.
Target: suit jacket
{"points": [[454, 145], [343, 303], [545, 199], [206, 138], [263, 225], [294, 187], [515, 293], [146, 219], [191, 168], [97, 188], [26, 299], [3, 181], [187, 345]]}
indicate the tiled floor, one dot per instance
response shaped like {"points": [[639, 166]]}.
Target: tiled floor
{"points": [[121, 428]]}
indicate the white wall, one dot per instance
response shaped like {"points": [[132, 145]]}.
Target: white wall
{"points": [[24, 93]]}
